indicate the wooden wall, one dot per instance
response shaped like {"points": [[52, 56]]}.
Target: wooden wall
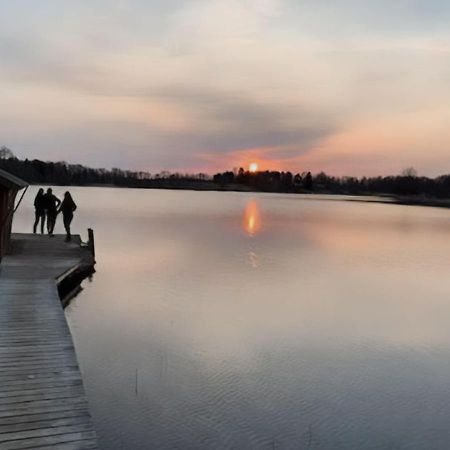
{"points": [[7, 197]]}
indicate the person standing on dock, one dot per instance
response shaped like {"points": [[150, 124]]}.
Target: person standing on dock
{"points": [[51, 206], [67, 208], [39, 210]]}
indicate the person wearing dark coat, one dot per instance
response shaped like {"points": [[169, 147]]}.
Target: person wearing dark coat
{"points": [[67, 208], [51, 208], [39, 210]]}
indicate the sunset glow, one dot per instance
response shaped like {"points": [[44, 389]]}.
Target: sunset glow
{"points": [[253, 167], [190, 86]]}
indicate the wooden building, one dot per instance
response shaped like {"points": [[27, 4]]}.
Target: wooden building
{"points": [[9, 187]]}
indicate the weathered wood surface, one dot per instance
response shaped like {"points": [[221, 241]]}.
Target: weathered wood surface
{"points": [[42, 400]]}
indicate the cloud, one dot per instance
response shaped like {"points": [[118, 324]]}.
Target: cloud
{"points": [[183, 83]]}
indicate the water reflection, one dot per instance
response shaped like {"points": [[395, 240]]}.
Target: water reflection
{"points": [[253, 259], [252, 218]]}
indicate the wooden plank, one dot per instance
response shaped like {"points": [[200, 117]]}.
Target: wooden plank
{"points": [[44, 432], [48, 374], [42, 409], [42, 400], [59, 439], [40, 391], [85, 444], [51, 381], [26, 396], [35, 364], [39, 387], [42, 404], [39, 417], [29, 359], [40, 424]]}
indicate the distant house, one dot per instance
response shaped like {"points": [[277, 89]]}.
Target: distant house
{"points": [[9, 187]]}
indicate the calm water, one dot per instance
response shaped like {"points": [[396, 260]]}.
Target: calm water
{"points": [[256, 321]]}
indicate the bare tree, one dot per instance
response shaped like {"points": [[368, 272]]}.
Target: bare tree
{"points": [[6, 153], [409, 172]]}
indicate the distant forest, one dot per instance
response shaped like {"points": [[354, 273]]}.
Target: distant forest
{"points": [[64, 174]]}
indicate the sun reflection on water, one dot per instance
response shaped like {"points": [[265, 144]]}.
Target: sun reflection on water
{"points": [[252, 218], [253, 260]]}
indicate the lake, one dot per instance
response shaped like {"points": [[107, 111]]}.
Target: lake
{"points": [[262, 321]]}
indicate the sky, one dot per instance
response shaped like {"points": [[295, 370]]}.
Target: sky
{"points": [[350, 87]]}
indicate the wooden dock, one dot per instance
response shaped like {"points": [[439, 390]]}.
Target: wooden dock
{"points": [[42, 400]]}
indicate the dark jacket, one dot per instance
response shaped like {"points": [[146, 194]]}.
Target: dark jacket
{"points": [[51, 202], [68, 206], [39, 202]]}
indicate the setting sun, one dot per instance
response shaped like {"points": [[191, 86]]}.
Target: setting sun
{"points": [[253, 167]]}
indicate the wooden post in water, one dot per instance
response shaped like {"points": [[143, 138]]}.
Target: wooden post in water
{"points": [[91, 241]]}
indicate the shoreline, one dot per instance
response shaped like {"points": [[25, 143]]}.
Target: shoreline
{"points": [[382, 198], [408, 201]]}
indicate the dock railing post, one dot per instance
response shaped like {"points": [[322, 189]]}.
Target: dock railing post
{"points": [[91, 241]]}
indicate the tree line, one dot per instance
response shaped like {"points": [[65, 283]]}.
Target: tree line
{"points": [[63, 174], [406, 184]]}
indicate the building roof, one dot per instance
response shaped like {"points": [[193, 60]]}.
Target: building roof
{"points": [[10, 181]]}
